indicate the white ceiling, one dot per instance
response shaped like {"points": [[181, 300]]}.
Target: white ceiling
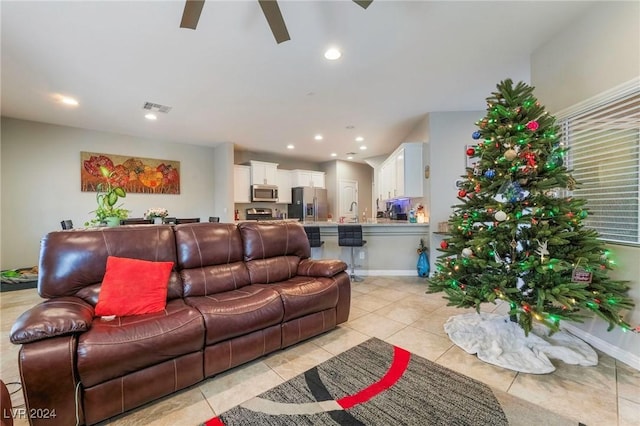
{"points": [[228, 81]]}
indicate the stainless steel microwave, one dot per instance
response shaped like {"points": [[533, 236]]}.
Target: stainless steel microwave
{"points": [[267, 193]]}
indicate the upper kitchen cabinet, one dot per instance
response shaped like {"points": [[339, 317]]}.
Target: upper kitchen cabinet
{"points": [[263, 173], [284, 186], [241, 184], [307, 178], [402, 173]]}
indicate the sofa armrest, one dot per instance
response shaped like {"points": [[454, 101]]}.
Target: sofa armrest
{"points": [[320, 267], [51, 318]]}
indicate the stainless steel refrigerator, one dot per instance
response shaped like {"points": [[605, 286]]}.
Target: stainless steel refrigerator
{"points": [[308, 204]]}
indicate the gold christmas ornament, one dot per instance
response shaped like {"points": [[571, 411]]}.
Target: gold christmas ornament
{"points": [[510, 154]]}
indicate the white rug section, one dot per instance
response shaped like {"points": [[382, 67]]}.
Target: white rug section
{"points": [[501, 342]]}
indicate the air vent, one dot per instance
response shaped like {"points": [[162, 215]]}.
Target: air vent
{"points": [[351, 153], [156, 107]]}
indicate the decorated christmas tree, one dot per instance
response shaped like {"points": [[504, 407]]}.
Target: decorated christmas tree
{"points": [[518, 235]]}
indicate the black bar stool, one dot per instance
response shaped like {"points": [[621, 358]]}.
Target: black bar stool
{"points": [[66, 224], [214, 219], [351, 236], [313, 234]]}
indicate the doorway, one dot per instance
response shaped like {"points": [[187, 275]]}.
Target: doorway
{"points": [[347, 194]]}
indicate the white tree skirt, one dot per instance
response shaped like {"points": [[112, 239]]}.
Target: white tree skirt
{"points": [[501, 342]]}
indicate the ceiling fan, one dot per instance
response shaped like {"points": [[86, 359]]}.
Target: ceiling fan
{"points": [[270, 8]]}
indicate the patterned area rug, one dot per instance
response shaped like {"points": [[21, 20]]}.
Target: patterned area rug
{"points": [[376, 383]]}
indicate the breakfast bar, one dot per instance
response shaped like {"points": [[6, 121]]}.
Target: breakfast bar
{"points": [[391, 247]]}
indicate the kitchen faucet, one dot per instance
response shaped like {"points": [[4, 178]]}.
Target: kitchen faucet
{"points": [[353, 203]]}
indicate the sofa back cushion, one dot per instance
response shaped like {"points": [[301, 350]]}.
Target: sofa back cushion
{"points": [[210, 258], [73, 263], [272, 250]]}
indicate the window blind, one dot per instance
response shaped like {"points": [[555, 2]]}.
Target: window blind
{"points": [[603, 135]]}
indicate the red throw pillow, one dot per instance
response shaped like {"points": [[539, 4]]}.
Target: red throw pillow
{"points": [[133, 287]]}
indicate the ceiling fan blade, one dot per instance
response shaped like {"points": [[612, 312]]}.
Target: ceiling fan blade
{"points": [[363, 3], [191, 14], [271, 11]]}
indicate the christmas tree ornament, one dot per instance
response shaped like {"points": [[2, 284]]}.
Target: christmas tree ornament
{"points": [[533, 125], [462, 193], [490, 174], [471, 152], [511, 192], [444, 244], [500, 216], [467, 252], [476, 135], [510, 154], [555, 160], [542, 250]]}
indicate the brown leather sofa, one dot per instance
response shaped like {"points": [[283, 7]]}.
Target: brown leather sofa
{"points": [[236, 293]]}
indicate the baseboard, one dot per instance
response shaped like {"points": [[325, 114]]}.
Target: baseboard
{"points": [[632, 360], [387, 272]]}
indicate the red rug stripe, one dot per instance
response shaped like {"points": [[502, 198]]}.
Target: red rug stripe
{"points": [[214, 422], [399, 365]]}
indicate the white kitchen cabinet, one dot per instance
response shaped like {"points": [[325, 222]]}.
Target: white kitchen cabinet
{"points": [[263, 173], [307, 178], [402, 173], [241, 184], [284, 186]]}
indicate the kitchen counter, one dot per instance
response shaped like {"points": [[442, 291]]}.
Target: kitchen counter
{"points": [[391, 247]]}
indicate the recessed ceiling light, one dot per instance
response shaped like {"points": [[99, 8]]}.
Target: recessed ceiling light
{"points": [[363, 147], [151, 116], [290, 146], [318, 137], [349, 158], [68, 101], [333, 154], [359, 139], [332, 54]]}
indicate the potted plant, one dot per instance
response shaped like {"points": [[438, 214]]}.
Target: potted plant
{"points": [[108, 195]]}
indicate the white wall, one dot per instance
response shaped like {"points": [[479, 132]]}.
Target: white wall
{"points": [[41, 182], [449, 132], [596, 53]]}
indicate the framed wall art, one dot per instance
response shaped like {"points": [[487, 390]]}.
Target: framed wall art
{"points": [[134, 174]]}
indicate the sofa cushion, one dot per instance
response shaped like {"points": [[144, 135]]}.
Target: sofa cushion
{"points": [[214, 279], [279, 238], [72, 260], [238, 312], [305, 295], [133, 287], [204, 244], [111, 349], [272, 269]]}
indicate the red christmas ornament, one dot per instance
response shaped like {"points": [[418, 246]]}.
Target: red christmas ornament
{"points": [[471, 152], [533, 126], [462, 193], [444, 244]]}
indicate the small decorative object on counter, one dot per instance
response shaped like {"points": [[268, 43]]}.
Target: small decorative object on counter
{"points": [[412, 216], [423, 260], [236, 215], [420, 214]]}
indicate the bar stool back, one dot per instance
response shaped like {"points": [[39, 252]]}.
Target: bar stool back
{"points": [[313, 234], [351, 236]]}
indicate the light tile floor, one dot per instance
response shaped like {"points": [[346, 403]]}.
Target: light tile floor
{"points": [[394, 309]]}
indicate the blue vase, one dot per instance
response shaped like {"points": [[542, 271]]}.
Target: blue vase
{"points": [[423, 265]]}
